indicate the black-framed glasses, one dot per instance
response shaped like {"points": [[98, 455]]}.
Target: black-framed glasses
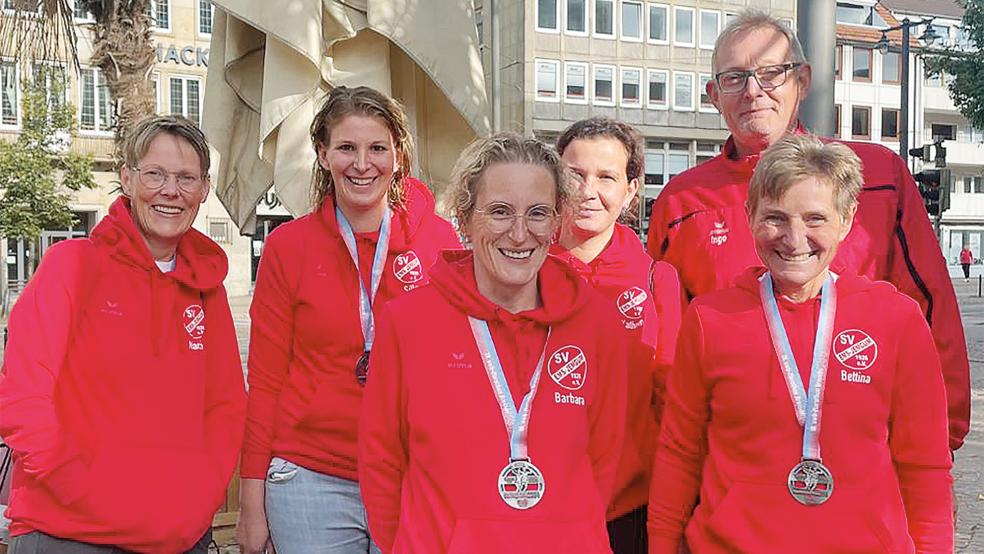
{"points": [[500, 218], [154, 178], [768, 77]]}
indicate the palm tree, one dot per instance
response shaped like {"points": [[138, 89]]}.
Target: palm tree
{"points": [[45, 30]]}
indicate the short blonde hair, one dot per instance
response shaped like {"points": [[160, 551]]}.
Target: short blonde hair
{"points": [[799, 157], [138, 139], [503, 148]]}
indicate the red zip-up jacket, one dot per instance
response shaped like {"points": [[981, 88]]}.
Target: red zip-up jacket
{"points": [[699, 225], [306, 335], [433, 440], [647, 299], [122, 392], [730, 430]]}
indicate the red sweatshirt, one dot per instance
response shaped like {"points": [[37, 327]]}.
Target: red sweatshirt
{"points": [[648, 300], [730, 431], [122, 392], [700, 226], [306, 335], [433, 441]]}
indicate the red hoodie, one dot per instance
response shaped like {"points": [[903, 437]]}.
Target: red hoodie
{"points": [[123, 406], [730, 430], [648, 300], [433, 441], [306, 335], [700, 226]]}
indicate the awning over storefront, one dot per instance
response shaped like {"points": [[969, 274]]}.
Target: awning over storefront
{"points": [[271, 64]]}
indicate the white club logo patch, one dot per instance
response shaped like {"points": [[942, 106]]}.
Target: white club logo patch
{"points": [[855, 350], [407, 268], [631, 302], [568, 367], [193, 321]]}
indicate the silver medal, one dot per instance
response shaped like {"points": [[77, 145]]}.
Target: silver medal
{"points": [[810, 483], [521, 484]]}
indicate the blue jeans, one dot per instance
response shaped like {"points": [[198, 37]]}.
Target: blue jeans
{"points": [[313, 513]]}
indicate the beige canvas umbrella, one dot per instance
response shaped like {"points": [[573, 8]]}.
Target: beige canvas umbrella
{"points": [[271, 63]]}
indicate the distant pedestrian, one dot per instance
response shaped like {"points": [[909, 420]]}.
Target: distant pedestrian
{"points": [[966, 258]]}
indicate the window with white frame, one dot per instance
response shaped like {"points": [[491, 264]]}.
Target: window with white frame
{"points": [[546, 80], [603, 84], [710, 26], [96, 108], [683, 91], [81, 13], [729, 17], [160, 14], [52, 80], [631, 87], [186, 97], [604, 18], [218, 230], [657, 89], [659, 16], [705, 99], [577, 17], [205, 14], [547, 15], [858, 14], [9, 95], [576, 82], [156, 79], [654, 172], [683, 26], [631, 21], [679, 161]]}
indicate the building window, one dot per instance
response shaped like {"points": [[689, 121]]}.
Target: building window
{"points": [[80, 13], [631, 87], [577, 17], [861, 122], [942, 34], [632, 21], [657, 89], [576, 82], [705, 99], [729, 17], [96, 108], [678, 162], [862, 64], [710, 23], [160, 14], [942, 131], [9, 95], [604, 85], [547, 14], [683, 91], [891, 68], [890, 124], [186, 98], [683, 26], [51, 78], [218, 230], [837, 120], [654, 170], [206, 12], [546, 80], [658, 23], [854, 14], [838, 62], [605, 18]]}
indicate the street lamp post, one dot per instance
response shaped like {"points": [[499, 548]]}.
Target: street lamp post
{"points": [[927, 38]]}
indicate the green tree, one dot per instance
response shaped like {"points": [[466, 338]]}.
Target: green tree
{"points": [[963, 64], [38, 168]]}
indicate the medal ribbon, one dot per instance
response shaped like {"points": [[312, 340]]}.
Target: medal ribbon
{"points": [[378, 261], [808, 406], [517, 421]]}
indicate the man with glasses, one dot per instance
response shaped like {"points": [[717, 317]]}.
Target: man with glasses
{"points": [[699, 223]]}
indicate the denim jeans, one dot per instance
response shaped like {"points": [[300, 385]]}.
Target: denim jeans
{"points": [[40, 543], [313, 513]]}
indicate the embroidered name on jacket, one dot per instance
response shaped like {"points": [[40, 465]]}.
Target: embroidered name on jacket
{"points": [[193, 321], [856, 351], [719, 234]]}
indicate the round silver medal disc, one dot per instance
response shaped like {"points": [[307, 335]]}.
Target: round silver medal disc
{"points": [[811, 483], [521, 484]]}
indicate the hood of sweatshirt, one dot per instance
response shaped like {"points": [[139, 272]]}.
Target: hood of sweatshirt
{"points": [[562, 291], [624, 256], [418, 204]]}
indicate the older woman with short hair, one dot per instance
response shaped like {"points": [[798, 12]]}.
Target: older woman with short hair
{"points": [[122, 391], [806, 408], [497, 424]]}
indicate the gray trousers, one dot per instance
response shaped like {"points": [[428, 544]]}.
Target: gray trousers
{"points": [[40, 543]]}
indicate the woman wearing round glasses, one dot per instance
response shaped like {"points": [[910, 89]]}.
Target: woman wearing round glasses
{"points": [[122, 391], [494, 425], [323, 278], [806, 408]]}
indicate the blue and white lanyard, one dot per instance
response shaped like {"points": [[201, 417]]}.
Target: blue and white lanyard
{"points": [[808, 406], [378, 261], [517, 421]]}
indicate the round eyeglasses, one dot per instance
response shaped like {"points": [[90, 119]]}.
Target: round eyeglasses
{"points": [[768, 77], [539, 220], [154, 178]]}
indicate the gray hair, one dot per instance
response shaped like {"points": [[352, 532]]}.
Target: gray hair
{"points": [[138, 139], [749, 20]]}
